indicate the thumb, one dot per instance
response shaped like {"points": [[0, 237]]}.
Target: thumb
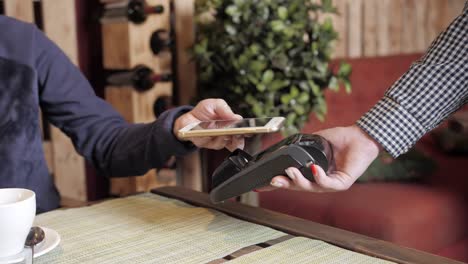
{"points": [[335, 181], [222, 110]]}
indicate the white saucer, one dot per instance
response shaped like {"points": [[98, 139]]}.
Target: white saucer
{"points": [[51, 240]]}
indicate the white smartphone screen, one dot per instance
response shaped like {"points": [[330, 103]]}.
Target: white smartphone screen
{"points": [[247, 122], [232, 127]]}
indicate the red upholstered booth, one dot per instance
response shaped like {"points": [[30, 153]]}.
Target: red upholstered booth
{"points": [[430, 216]]}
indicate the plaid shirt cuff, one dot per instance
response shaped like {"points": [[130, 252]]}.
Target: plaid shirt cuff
{"points": [[390, 124]]}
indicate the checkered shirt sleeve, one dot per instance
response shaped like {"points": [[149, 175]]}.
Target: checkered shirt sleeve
{"points": [[432, 89]]}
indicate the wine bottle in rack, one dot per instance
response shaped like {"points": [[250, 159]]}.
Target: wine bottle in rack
{"points": [[160, 41], [141, 78], [135, 10], [162, 104]]}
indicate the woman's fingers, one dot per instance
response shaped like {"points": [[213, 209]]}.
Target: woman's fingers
{"points": [[302, 183], [334, 181], [235, 142]]}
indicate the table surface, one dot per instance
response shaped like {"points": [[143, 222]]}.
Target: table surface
{"points": [[301, 227], [177, 225]]}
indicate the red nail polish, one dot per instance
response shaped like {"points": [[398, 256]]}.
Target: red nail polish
{"points": [[313, 169]]}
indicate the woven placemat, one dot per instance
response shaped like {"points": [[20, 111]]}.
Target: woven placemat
{"points": [[147, 228], [304, 250]]}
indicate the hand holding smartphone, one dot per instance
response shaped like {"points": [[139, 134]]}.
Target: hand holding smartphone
{"points": [[232, 127]]}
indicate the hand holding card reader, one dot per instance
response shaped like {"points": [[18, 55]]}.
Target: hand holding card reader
{"points": [[240, 172]]}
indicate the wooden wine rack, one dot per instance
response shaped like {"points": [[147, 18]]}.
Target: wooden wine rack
{"points": [[126, 45]]}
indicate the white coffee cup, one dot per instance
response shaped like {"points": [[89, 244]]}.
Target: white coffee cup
{"points": [[17, 212]]}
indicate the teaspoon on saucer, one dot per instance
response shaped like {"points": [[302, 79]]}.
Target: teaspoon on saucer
{"points": [[36, 235]]}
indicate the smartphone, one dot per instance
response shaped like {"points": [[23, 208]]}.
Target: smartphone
{"points": [[232, 127]]}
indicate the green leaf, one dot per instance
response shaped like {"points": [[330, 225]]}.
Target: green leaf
{"points": [[320, 116], [199, 49], [277, 25], [290, 119], [285, 99], [322, 105], [257, 110], [303, 98], [232, 10], [294, 92], [315, 88], [237, 89], [327, 25], [327, 6], [344, 70], [268, 76], [257, 66], [309, 73], [314, 47], [282, 13], [243, 59], [250, 99], [280, 61], [230, 29], [253, 79], [261, 87], [299, 109], [347, 85], [322, 68], [254, 48], [278, 84], [333, 84]]}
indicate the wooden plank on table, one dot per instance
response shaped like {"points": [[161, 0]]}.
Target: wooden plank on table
{"points": [[301, 227], [189, 167], [218, 261], [250, 249], [59, 20], [355, 28], [243, 251], [370, 18]]}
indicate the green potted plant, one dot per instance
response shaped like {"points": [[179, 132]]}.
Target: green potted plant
{"points": [[269, 57]]}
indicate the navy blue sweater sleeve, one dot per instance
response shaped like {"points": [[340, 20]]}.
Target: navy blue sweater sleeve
{"points": [[98, 132]]}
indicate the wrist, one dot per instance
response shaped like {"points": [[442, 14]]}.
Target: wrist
{"points": [[177, 126], [371, 146], [181, 119]]}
